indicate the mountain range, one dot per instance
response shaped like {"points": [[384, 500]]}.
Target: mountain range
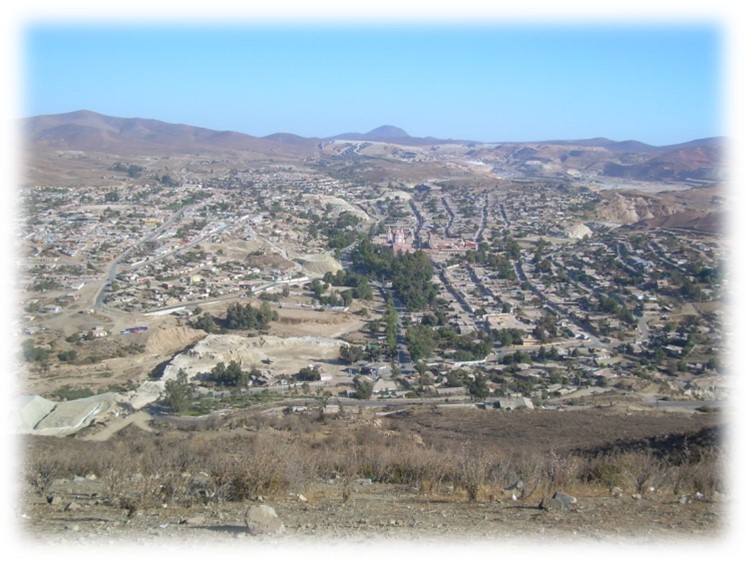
{"points": [[90, 132]]}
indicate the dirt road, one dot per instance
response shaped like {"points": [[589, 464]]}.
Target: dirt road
{"points": [[139, 418]]}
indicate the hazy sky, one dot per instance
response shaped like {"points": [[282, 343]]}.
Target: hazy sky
{"points": [[661, 84]]}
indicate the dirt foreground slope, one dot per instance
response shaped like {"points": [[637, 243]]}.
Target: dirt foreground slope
{"points": [[378, 514]]}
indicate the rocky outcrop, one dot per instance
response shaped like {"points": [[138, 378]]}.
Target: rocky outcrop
{"points": [[559, 501], [262, 520]]}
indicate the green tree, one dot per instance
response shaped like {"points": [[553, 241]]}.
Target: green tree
{"points": [[308, 374], [347, 297], [231, 375], [350, 354], [478, 388], [372, 352], [206, 323], [391, 328], [240, 316], [421, 341], [363, 387], [67, 356], [421, 367], [32, 353], [455, 379], [178, 392], [111, 196]]}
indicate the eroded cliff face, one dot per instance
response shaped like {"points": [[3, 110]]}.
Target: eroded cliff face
{"points": [[627, 208]]}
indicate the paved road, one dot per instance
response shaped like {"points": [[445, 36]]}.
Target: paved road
{"points": [[662, 403], [114, 265]]}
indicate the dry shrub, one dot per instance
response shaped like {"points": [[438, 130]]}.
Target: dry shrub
{"points": [[641, 470], [127, 486], [128, 490], [472, 464], [402, 461], [261, 464], [706, 475], [561, 471], [425, 468], [73, 458], [275, 455], [631, 471], [603, 470], [179, 488], [39, 473], [522, 465]]}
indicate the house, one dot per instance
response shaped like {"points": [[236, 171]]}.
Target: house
{"points": [[509, 403], [376, 369], [98, 332], [384, 387]]}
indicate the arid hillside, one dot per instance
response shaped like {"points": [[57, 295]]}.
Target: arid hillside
{"points": [[60, 147], [420, 475]]}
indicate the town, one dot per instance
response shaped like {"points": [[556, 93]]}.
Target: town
{"points": [[515, 292]]}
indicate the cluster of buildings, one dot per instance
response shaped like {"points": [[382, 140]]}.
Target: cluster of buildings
{"points": [[616, 296]]}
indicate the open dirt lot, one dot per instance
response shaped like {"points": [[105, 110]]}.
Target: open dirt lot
{"points": [[279, 355]]}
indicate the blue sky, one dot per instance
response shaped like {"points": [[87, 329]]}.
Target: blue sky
{"points": [[661, 84]]}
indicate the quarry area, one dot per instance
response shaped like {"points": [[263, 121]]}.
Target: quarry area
{"points": [[277, 355]]}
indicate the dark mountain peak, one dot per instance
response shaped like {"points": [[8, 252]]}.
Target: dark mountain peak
{"points": [[80, 114], [290, 138], [386, 131]]}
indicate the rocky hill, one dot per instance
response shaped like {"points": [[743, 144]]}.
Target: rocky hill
{"points": [[700, 209], [92, 132]]}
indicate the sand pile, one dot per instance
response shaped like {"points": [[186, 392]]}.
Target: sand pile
{"points": [[578, 231], [171, 339]]}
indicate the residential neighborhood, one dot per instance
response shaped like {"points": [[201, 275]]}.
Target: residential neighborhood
{"points": [[537, 297]]}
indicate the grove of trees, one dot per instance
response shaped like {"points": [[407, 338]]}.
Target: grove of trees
{"points": [[240, 316]]}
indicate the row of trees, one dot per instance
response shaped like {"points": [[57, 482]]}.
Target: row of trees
{"points": [[132, 170], [238, 316], [246, 316], [342, 298], [232, 376], [350, 354]]}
